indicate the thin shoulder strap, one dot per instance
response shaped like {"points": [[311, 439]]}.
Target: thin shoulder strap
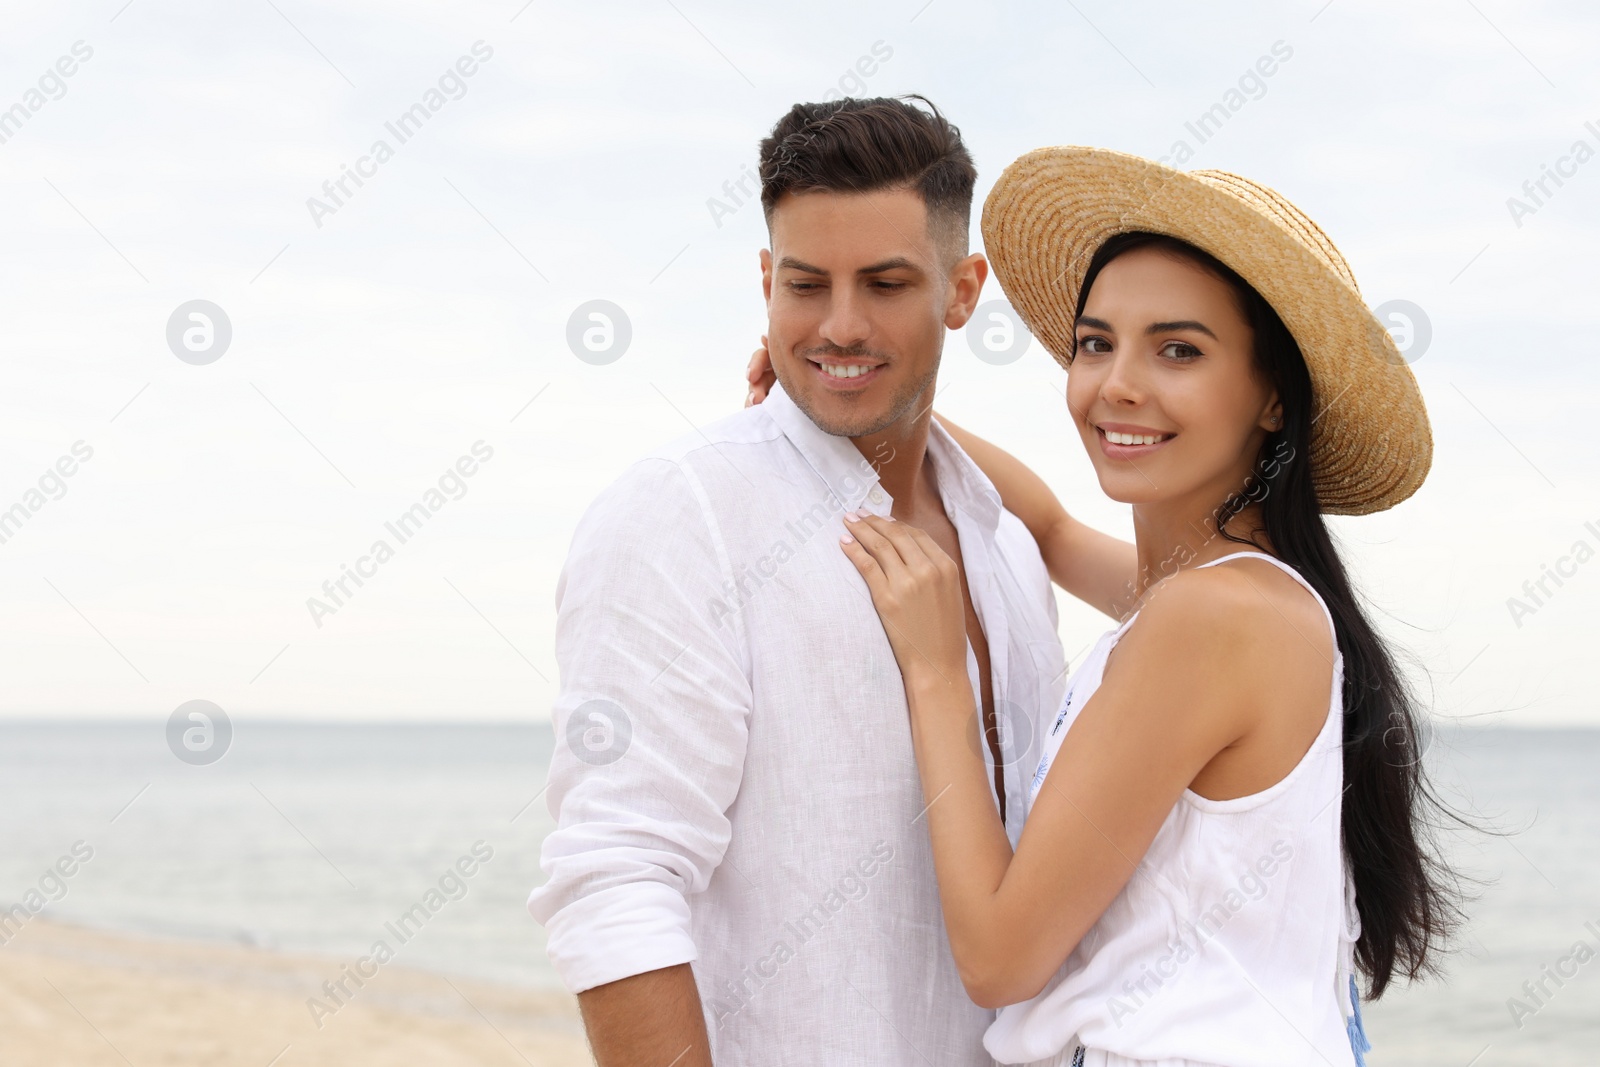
{"points": [[1291, 572]]}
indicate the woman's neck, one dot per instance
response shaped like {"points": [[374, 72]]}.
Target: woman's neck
{"points": [[1171, 536]]}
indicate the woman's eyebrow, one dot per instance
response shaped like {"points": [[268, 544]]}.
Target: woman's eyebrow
{"points": [[1181, 324], [1094, 323]]}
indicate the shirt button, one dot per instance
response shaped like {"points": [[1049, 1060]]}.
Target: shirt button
{"points": [[876, 496]]}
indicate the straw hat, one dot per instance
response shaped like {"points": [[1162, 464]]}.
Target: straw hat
{"points": [[1053, 208]]}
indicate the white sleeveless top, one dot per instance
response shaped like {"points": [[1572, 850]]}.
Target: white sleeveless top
{"points": [[1233, 942]]}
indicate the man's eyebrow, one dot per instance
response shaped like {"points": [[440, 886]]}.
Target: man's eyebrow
{"points": [[790, 263], [1181, 324], [892, 263]]}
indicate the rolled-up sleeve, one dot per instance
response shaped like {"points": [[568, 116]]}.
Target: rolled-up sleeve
{"points": [[650, 729]]}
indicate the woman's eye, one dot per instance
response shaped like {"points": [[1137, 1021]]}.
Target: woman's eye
{"points": [[1094, 345], [1180, 351]]}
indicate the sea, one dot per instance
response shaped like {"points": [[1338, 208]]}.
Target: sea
{"points": [[321, 838]]}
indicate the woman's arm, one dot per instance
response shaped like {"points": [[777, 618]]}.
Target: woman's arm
{"points": [[1176, 694], [1095, 567]]}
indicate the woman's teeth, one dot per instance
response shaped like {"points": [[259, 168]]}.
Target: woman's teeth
{"points": [[854, 370], [1134, 438]]}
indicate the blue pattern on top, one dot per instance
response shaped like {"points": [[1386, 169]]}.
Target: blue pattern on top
{"points": [[1358, 1033]]}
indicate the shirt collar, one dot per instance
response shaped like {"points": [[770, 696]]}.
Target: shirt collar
{"points": [[851, 477], [962, 481], [836, 460]]}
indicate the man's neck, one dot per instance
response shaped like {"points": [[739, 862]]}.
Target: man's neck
{"points": [[899, 455]]}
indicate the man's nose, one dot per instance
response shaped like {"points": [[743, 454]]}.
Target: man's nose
{"points": [[846, 324]]}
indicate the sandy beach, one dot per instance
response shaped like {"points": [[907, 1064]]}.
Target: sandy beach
{"points": [[88, 998]]}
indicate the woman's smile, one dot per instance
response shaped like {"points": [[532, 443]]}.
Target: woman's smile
{"points": [[1120, 440]]}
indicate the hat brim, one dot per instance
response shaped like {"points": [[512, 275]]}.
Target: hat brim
{"points": [[1371, 445]]}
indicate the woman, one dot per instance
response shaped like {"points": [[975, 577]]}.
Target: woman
{"points": [[1228, 820]]}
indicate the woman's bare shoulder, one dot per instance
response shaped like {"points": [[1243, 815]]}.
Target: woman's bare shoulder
{"points": [[1236, 616]]}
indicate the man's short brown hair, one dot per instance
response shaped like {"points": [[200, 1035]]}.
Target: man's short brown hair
{"points": [[861, 146]]}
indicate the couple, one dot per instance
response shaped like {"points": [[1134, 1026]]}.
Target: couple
{"points": [[824, 793]]}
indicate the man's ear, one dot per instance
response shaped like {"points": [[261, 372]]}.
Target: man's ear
{"points": [[766, 275], [966, 285]]}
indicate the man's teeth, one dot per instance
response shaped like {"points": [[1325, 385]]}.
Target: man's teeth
{"points": [[1134, 438], [854, 370]]}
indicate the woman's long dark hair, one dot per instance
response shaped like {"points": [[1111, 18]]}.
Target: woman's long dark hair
{"points": [[1408, 898]]}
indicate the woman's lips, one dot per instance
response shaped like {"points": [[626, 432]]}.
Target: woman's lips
{"points": [[1113, 450]]}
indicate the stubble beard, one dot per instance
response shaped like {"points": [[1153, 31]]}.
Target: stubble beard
{"points": [[905, 405]]}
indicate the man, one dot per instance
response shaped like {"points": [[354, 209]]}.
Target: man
{"points": [[741, 871]]}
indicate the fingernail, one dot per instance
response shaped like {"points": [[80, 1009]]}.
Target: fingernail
{"points": [[846, 540], [889, 517]]}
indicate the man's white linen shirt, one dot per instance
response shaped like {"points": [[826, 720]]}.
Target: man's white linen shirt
{"points": [[733, 778]]}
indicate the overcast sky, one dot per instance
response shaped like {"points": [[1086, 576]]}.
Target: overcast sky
{"points": [[572, 154]]}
